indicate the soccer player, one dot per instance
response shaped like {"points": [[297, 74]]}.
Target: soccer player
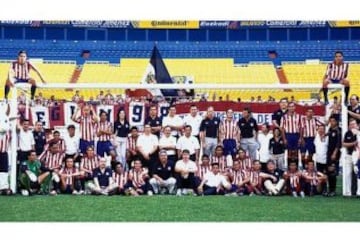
{"points": [[209, 131], [58, 140], [139, 180], [336, 72], [354, 108], [293, 180], [315, 181], [19, 72], [254, 186], [103, 183], [309, 125], [104, 130], [121, 132], [33, 175], [69, 178], [163, 175], [229, 133], [120, 177], [88, 163], [273, 179], [244, 160], [131, 150], [52, 159], [248, 133], [238, 178], [185, 177], [214, 183], [220, 158], [87, 119], [291, 131], [203, 168]]}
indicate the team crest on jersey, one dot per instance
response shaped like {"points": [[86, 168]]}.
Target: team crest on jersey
{"points": [[251, 124], [333, 134], [107, 173], [169, 168], [157, 122], [126, 125], [215, 122]]}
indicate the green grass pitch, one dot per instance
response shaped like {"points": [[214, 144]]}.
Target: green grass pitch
{"points": [[178, 209]]}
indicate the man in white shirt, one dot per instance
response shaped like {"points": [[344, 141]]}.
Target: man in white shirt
{"points": [[264, 140], [185, 178], [168, 143], [194, 120], [147, 145], [26, 140], [189, 143], [72, 141], [321, 146], [214, 183], [174, 121]]}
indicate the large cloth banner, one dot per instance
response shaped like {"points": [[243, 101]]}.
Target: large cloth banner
{"points": [[136, 112]]}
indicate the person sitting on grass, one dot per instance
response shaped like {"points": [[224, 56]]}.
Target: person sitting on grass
{"points": [[103, 183], [214, 183], [120, 177], [315, 181], [138, 180], [69, 178], [34, 177], [293, 180]]}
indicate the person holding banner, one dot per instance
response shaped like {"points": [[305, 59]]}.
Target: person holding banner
{"points": [[19, 72], [87, 119]]}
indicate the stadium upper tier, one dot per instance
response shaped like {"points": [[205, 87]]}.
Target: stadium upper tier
{"points": [[241, 52]]}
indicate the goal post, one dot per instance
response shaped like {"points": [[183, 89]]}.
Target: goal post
{"points": [[279, 89]]}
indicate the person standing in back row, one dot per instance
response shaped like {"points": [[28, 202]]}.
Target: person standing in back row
{"points": [[209, 131], [336, 72]]}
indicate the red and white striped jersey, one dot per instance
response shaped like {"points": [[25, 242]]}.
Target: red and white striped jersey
{"points": [[238, 176], [60, 142], [89, 163], [246, 163], [131, 143], [337, 72], [5, 142], [104, 126], [315, 174], [221, 160], [51, 160], [120, 179], [87, 127], [69, 171], [255, 177], [21, 71], [291, 123], [202, 170], [309, 126], [137, 177], [294, 178], [230, 129]]}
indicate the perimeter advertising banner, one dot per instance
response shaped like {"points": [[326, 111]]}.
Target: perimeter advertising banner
{"points": [[136, 112]]}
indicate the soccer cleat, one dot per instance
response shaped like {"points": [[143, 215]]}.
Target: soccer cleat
{"points": [[331, 194], [294, 194], [75, 192], [53, 193], [240, 194], [24, 192], [150, 193], [302, 194], [81, 192], [251, 194], [178, 192]]}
